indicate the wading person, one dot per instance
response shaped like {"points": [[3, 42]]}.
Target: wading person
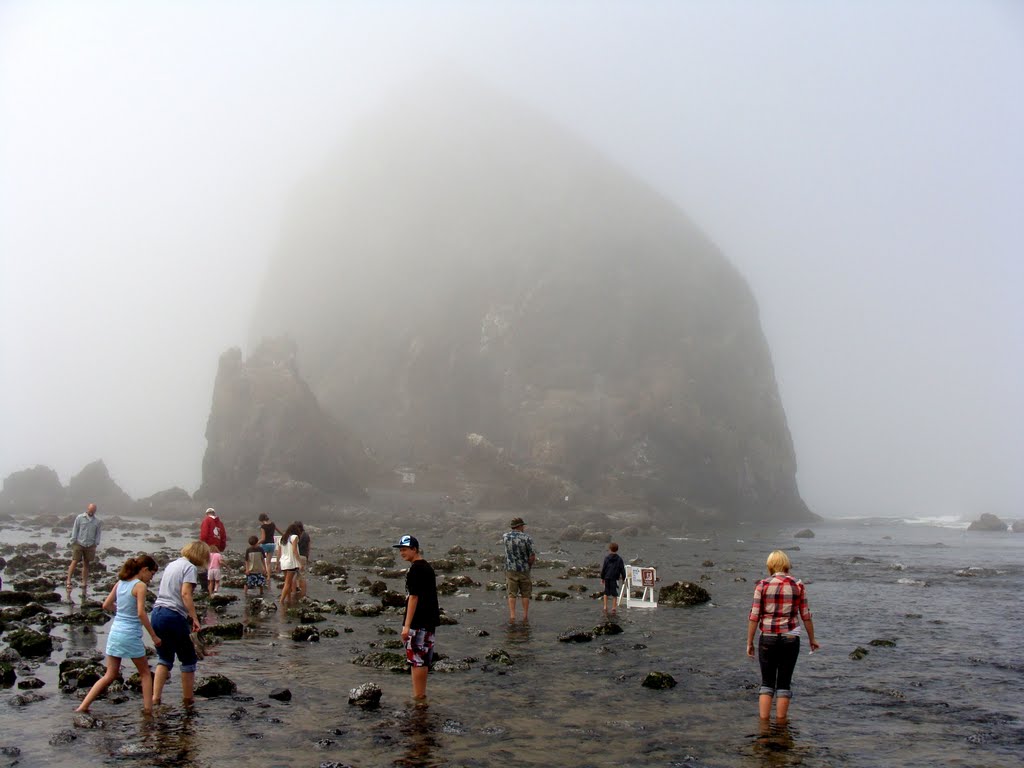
{"points": [[174, 619], [268, 529], [422, 614], [85, 537], [128, 598], [288, 563], [780, 604], [612, 569], [519, 559]]}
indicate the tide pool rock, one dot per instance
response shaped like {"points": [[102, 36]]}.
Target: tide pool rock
{"points": [[576, 635], [214, 686], [365, 696], [806, 533], [29, 643], [659, 681], [988, 522], [683, 593]]}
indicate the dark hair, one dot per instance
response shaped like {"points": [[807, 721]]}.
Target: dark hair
{"points": [[133, 565], [292, 530], [253, 541], [613, 547], [264, 516]]}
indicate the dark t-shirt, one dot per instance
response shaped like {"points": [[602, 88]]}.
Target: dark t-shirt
{"points": [[422, 582], [269, 529], [303, 544]]}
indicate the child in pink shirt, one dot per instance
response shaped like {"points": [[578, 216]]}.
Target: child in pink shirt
{"points": [[213, 572]]}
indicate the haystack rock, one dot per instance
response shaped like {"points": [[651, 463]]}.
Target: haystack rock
{"points": [[270, 447], [463, 266]]}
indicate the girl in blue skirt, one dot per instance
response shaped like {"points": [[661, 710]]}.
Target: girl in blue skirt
{"points": [[125, 639]]}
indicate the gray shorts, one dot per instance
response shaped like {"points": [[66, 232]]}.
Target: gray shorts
{"points": [[519, 584]]}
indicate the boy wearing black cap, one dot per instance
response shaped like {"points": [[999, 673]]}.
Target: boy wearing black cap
{"points": [[422, 614]]}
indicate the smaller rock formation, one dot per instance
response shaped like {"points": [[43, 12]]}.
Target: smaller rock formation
{"points": [[806, 533], [172, 504], [94, 484], [269, 444], [988, 522], [32, 491]]}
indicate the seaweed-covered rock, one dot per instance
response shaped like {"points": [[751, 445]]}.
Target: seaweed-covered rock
{"points": [[392, 599], [306, 633], [608, 628], [576, 635], [365, 696], [7, 675], [30, 643], [382, 660], [806, 533], [858, 653], [881, 642], [78, 672], [659, 681], [550, 595], [363, 609], [230, 630], [499, 656], [16, 598], [215, 685], [683, 593]]}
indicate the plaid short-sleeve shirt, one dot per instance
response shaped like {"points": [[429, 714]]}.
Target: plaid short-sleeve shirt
{"points": [[777, 603]]}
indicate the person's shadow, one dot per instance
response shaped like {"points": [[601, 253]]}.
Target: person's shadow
{"points": [[420, 733]]}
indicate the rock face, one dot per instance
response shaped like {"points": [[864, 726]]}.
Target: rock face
{"points": [[269, 444], [464, 266]]}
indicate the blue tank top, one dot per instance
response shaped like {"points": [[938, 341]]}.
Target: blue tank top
{"points": [[127, 617]]}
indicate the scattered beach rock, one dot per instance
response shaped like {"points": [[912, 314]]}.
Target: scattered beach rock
{"points": [[883, 643], [30, 643], [806, 533], [609, 627], [215, 685], [281, 694], [306, 633], [683, 593], [382, 660], [659, 681], [858, 653], [576, 635], [365, 696]]}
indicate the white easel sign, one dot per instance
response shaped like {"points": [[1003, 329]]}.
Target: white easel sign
{"points": [[639, 578]]}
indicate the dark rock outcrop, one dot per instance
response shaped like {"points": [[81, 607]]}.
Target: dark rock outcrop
{"points": [[683, 593], [94, 484], [172, 504], [540, 298], [269, 444], [988, 522], [32, 491]]}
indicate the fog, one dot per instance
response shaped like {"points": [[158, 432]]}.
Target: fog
{"points": [[860, 163]]}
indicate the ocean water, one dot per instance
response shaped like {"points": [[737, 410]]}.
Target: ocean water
{"points": [[948, 693]]}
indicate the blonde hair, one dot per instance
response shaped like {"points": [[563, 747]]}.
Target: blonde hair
{"points": [[778, 561], [197, 553]]}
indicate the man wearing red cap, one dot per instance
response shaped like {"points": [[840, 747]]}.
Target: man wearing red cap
{"points": [[85, 537]]}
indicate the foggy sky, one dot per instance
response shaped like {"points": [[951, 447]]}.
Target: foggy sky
{"points": [[860, 163]]}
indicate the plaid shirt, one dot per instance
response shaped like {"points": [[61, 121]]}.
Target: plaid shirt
{"points": [[777, 601]]}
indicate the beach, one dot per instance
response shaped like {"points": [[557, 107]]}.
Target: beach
{"points": [[940, 684]]}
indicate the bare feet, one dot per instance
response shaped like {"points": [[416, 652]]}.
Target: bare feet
{"points": [[83, 710]]}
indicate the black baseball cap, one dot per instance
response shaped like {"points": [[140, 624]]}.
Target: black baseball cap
{"points": [[407, 541]]}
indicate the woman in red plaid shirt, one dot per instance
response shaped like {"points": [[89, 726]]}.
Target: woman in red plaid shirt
{"points": [[779, 601]]}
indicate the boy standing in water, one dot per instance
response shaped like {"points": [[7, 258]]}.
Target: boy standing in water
{"points": [[612, 569], [422, 614]]}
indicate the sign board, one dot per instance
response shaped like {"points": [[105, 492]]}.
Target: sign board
{"points": [[640, 578]]}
